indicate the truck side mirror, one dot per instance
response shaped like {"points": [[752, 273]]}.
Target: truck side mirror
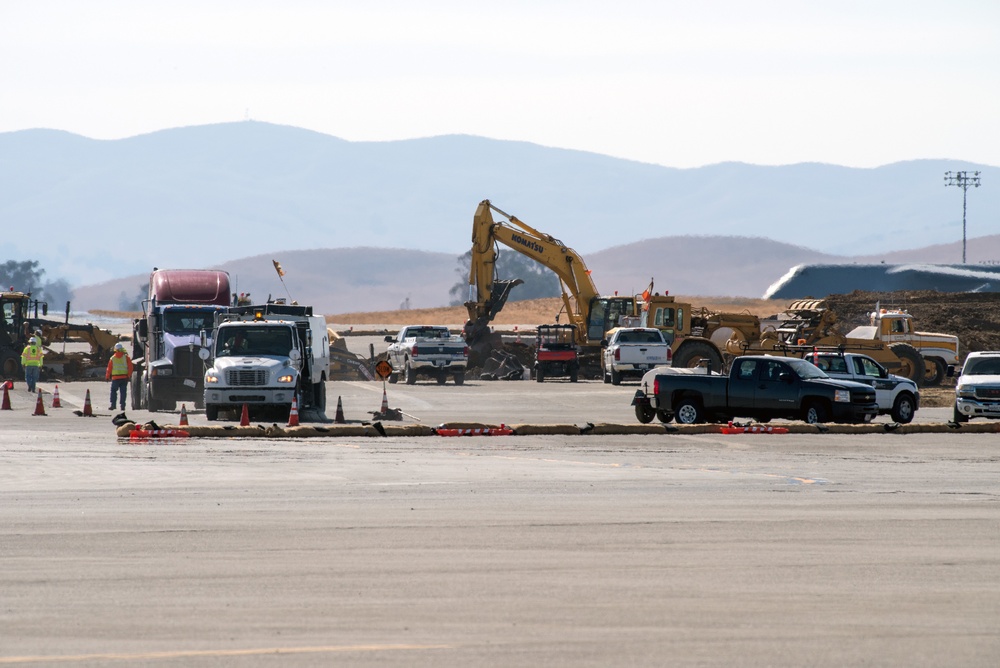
{"points": [[390, 339], [785, 377], [203, 338], [204, 354], [604, 343], [295, 355]]}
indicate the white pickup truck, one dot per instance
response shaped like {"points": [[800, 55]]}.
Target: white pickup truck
{"points": [[631, 352], [977, 392], [427, 350], [896, 396]]}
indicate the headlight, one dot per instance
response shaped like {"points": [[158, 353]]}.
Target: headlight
{"points": [[842, 396], [209, 378], [287, 378], [965, 391]]}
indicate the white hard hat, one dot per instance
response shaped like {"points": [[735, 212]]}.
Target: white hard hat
{"points": [[35, 341], [120, 346]]}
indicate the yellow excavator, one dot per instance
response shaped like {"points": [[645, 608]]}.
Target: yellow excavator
{"points": [[591, 313]]}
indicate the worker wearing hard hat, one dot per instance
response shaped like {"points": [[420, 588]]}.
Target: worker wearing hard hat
{"points": [[31, 360], [119, 372]]}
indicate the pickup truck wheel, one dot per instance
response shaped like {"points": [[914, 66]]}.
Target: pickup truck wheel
{"points": [[574, 375], [664, 416], [459, 378], [644, 413], [688, 411], [393, 378], [616, 377], [442, 378], [934, 370], [959, 418], [607, 378], [211, 413], [903, 408], [539, 375], [319, 397], [409, 377], [815, 413]]}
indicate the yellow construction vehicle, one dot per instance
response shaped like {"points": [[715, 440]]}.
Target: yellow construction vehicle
{"points": [[591, 313], [697, 336], [21, 316]]}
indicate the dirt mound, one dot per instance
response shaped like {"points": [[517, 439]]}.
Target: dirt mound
{"points": [[974, 317]]}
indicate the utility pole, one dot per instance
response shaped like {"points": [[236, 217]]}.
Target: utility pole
{"points": [[963, 181]]}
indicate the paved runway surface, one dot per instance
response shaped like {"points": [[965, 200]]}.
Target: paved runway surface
{"points": [[755, 550]]}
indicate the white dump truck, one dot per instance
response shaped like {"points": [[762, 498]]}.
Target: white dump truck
{"points": [[263, 356]]}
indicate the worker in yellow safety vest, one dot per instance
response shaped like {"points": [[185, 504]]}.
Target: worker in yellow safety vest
{"points": [[119, 372], [31, 360]]}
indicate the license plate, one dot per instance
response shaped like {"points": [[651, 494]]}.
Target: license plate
{"points": [[190, 383]]}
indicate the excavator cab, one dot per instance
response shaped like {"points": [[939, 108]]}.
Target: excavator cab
{"points": [[606, 313]]}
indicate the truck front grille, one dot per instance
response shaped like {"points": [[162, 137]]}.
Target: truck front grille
{"points": [[246, 377], [187, 363], [988, 393], [863, 397]]}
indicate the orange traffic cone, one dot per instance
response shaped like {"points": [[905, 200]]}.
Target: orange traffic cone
{"points": [[6, 399], [55, 398], [39, 405], [293, 414], [245, 417], [87, 408], [339, 418], [184, 417], [385, 402]]}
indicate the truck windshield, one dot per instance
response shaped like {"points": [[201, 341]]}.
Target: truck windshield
{"points": [[188, 322], [276, 341]]}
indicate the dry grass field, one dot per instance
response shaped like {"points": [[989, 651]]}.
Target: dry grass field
{"points": [[537, 312]]}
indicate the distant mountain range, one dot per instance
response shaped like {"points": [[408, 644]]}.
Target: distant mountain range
{"points": [[375, 223]]}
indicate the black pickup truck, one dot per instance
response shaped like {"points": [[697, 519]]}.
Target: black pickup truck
{"points": [[759, 387]]}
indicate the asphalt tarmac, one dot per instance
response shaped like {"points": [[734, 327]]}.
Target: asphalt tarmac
{"points": [[750, 550]]}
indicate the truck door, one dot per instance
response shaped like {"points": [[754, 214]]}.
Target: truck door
{"points": [[869, 373], [743, 384], [773, 395]]}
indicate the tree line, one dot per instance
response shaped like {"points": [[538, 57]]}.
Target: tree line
{"points": [[26, 276]]}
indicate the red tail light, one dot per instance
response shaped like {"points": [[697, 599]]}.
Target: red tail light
{"points": [[656, 386], [466, 351], [413, 351], [618, 354], [670, 354]]}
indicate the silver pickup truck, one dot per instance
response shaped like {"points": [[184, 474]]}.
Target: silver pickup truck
{"points": [[427, 350]]}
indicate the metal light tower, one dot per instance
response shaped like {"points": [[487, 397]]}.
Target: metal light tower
{"points": [[963, 181]]}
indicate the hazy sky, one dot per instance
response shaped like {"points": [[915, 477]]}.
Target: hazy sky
{"points": [[681, 84]]}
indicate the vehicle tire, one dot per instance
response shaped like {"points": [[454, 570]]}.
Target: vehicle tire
{"points": [[690, 354], [644, 413], [607, 378], [459, 378], [211, 412], [11, 366], [539, 375], [664, 416], [616, 377], [147, 400], [689, 411], [959, 418], [319, 396], [815, 413], [135, 389], [934, 371], [441, 378], [574, 374], [903, 408], [409, 376], [912, 363], [393, 378]]}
